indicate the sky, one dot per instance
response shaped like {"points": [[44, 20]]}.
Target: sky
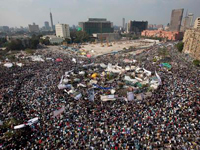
{"points": [[16, 13]]}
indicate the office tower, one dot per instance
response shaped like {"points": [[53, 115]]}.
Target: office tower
{"points": [[51, 18], [5, 29], [62, 30], [97, 25], [123, 23], [197, 23], [188, 21], [191, 16], [46, 25], [137, 26], [33, 28], [150, 26], [176, 19], [159, 26]]}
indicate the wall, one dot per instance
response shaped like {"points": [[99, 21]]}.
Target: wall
{"points": [[192, 43], [163, 34]]}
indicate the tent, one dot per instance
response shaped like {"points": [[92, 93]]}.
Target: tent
{"points": [[108, 98], [8, 65], [79, 29], [167, 65], [59, 60], [88, 56]]}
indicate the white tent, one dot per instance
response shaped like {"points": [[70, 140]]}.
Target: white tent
{"points": [[8, 65]]}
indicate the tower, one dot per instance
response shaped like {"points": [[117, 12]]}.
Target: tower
{"points": [[51, 18], [176, 19], [123, 23]]}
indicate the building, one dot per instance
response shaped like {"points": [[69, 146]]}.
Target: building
{"points": [[6, 29], [188, 21], [53, 39], [109, 37], [197, 23], [123, 23], [51, 19], [191, 17], [191, 43], [33, 28], [137, 27], [97, 25], [176, 19], [169, 35], [159, 26], [150, 26], [46, 25], [62, 30]]}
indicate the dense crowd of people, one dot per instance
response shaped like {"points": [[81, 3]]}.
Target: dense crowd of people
{"points": [[169, 119]]}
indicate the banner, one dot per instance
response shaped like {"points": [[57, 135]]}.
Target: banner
{"points": [[130, 96], [108, 98], [91, 94], [58, 112]]}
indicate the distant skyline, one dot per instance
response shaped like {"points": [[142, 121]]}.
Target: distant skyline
{"points": [[16, 13]]}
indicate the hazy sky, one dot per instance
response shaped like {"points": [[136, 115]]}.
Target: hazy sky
{"points": [[23, 12]]}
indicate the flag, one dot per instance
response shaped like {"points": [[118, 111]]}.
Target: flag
{"points": [[159, 79]]}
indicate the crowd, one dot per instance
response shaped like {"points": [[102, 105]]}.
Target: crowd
{"points": [[169, 119]]}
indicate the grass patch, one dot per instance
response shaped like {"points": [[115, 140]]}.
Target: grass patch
{"points": [[196, 62], [29, 51]]}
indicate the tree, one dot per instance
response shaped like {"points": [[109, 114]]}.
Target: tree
{"points": [[180, 46], [79, 36], [45, 41], [15, 45], [34, 41], [3, 41], [163, 52], [196, 62]]}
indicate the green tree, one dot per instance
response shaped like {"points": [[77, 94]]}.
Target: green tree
{"points": [[34, 41], [163, 52], [180, 46], [3, 41], [82, 36], [45, 41], [196, 62], [79, 36], [15, 45]]}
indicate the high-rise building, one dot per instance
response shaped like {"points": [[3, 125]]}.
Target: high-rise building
{"points": [[137, 26], [197, 23], [123, 23], [97, 25], [191, 42], [33, 28], [5, 29], [150, 26], [176, 19], [46, 25], [62, 30], [51, 18], [191, 17], [188, 21], [159, 26]]}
